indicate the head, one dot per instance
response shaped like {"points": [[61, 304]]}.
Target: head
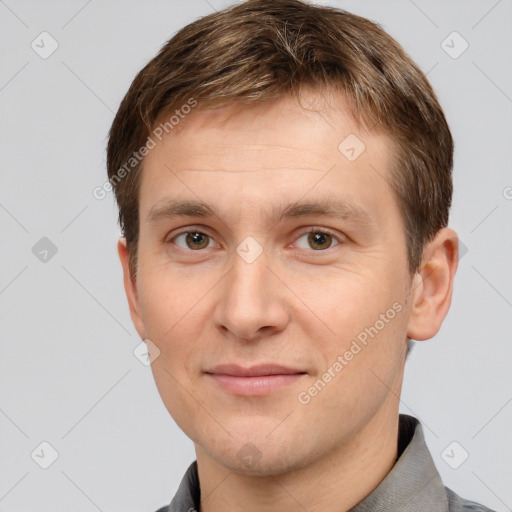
{"points": [[283, 176]]}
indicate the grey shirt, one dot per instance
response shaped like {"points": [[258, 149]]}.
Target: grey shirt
{"points": [[413, 485]]}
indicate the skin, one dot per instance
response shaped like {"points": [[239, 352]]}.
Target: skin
{"points": [[295, 305]]}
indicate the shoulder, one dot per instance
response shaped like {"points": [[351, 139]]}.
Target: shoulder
{"points": [[458, 504]]}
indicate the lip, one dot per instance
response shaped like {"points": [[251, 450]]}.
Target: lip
{"points": [[253, 371], [254, 381]]}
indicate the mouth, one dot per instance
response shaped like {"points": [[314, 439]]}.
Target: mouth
{"points": [[254, 381]]}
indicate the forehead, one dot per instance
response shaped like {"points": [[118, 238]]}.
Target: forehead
{"points": [[266, 153]]}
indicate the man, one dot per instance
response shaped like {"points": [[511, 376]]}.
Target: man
{"points": [[283, 175]]}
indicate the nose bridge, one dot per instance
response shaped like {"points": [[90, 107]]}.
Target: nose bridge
{"points": [[250, 297], [247, 281]]}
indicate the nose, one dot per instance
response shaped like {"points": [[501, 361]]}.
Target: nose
{"points": [[251, 301]]}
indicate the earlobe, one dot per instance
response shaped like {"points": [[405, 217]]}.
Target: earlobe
{"points": [[130, 287], [432, 286]]}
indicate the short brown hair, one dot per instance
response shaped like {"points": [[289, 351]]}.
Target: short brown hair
{"points": [[260, 50]]}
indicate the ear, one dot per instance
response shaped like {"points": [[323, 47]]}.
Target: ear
{"points": [[433, 285], [130, 287]]}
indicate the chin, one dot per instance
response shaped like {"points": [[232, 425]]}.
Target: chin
{"points": [[262, 457], [266, 466]]}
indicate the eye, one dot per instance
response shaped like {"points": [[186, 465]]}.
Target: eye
{"points": [[318, 240], [194, 240]]}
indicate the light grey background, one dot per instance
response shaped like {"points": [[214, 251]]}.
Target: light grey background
{"points": [[68, 375]]}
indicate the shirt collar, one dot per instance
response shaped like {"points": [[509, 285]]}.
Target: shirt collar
{"points": [[413, 484]]}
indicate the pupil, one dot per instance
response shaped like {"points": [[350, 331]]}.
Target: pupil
{"points": [[196, 239], [321, 239]]}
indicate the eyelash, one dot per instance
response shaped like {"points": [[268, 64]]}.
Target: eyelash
{"points": [[313, 230]]}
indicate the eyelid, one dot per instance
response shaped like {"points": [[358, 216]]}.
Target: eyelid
{"points": [[188, 229], [319, 229], [307, 230]]}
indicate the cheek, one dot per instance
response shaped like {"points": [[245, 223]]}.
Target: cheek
{"points": [[367, 321], [346, 303], [178, 395], [170, 307], [170, 303], [361, 364], [168, 296]]}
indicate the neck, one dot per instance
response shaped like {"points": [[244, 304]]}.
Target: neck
{"points": [[334, 483]]}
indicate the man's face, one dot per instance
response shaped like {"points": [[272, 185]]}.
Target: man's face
{"points": [[252, 287]]}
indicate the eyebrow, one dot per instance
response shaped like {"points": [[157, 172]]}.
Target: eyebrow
{"points": [[323, 208]]}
